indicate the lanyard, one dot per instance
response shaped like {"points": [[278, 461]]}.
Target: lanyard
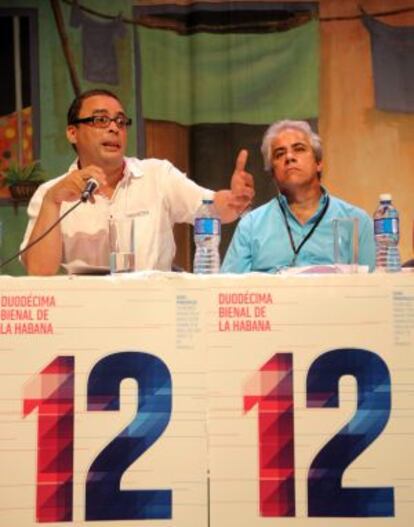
{"points": [[295, 249]]}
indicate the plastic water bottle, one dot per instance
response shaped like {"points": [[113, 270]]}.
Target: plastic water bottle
{"points": [[207, 233], [387, 236]]}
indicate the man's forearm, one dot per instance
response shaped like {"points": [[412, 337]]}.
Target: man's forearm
{"points": [[44, 257]]}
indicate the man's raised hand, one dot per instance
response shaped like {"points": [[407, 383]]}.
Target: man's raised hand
{"points": [[242, 184]]}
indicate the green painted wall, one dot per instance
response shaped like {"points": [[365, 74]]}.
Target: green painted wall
{"points": [[56, 94]]}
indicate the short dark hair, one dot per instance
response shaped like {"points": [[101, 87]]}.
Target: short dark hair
{"points": [[74, 108]]}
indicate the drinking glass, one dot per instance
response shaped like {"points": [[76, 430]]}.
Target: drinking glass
{"points": [[345, 242], [121, 244]]}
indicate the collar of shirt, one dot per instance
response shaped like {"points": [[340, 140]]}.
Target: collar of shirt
{"points": [[322, 201], [136, 173]]}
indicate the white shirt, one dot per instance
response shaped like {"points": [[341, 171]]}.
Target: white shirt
{"points": [[152, 191]]}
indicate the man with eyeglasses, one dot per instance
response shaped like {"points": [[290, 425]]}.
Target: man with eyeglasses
{"points": [[153, 191]]}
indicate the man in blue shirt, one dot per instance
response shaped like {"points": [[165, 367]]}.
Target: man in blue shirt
{"points": [[295, 227]]}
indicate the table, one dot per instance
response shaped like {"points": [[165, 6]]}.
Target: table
{"points": [[173, 400]]}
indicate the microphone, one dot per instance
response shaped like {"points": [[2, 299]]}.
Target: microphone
{"points": [[90, 187]]}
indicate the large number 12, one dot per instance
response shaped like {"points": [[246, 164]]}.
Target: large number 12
{"points": [[52, 392], [326, 495]]}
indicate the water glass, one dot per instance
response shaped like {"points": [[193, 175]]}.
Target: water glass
{"points": [[121, 244], [345, 242]]}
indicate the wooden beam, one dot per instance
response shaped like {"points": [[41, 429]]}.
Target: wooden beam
{"points": [[65, 46]]}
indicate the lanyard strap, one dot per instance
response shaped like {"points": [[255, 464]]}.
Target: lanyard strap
{"points": [[295, 249]]}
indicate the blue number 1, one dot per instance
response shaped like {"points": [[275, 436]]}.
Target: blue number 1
{"points": [[104, 498], [326, 496]]}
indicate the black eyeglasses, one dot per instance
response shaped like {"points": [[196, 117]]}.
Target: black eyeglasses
{"points": [[103, 121]]}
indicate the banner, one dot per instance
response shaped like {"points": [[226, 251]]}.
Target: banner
{"points": [[165, 400], [392, 50], [252, 78]]}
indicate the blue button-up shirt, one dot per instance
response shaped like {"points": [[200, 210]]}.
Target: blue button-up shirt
{"points": [[261, 240]]}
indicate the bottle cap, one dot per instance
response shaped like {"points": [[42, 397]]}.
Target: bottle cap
{"points": [[385, 197]]}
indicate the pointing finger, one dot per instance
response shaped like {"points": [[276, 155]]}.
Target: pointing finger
{"points": [[242, 160]]}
